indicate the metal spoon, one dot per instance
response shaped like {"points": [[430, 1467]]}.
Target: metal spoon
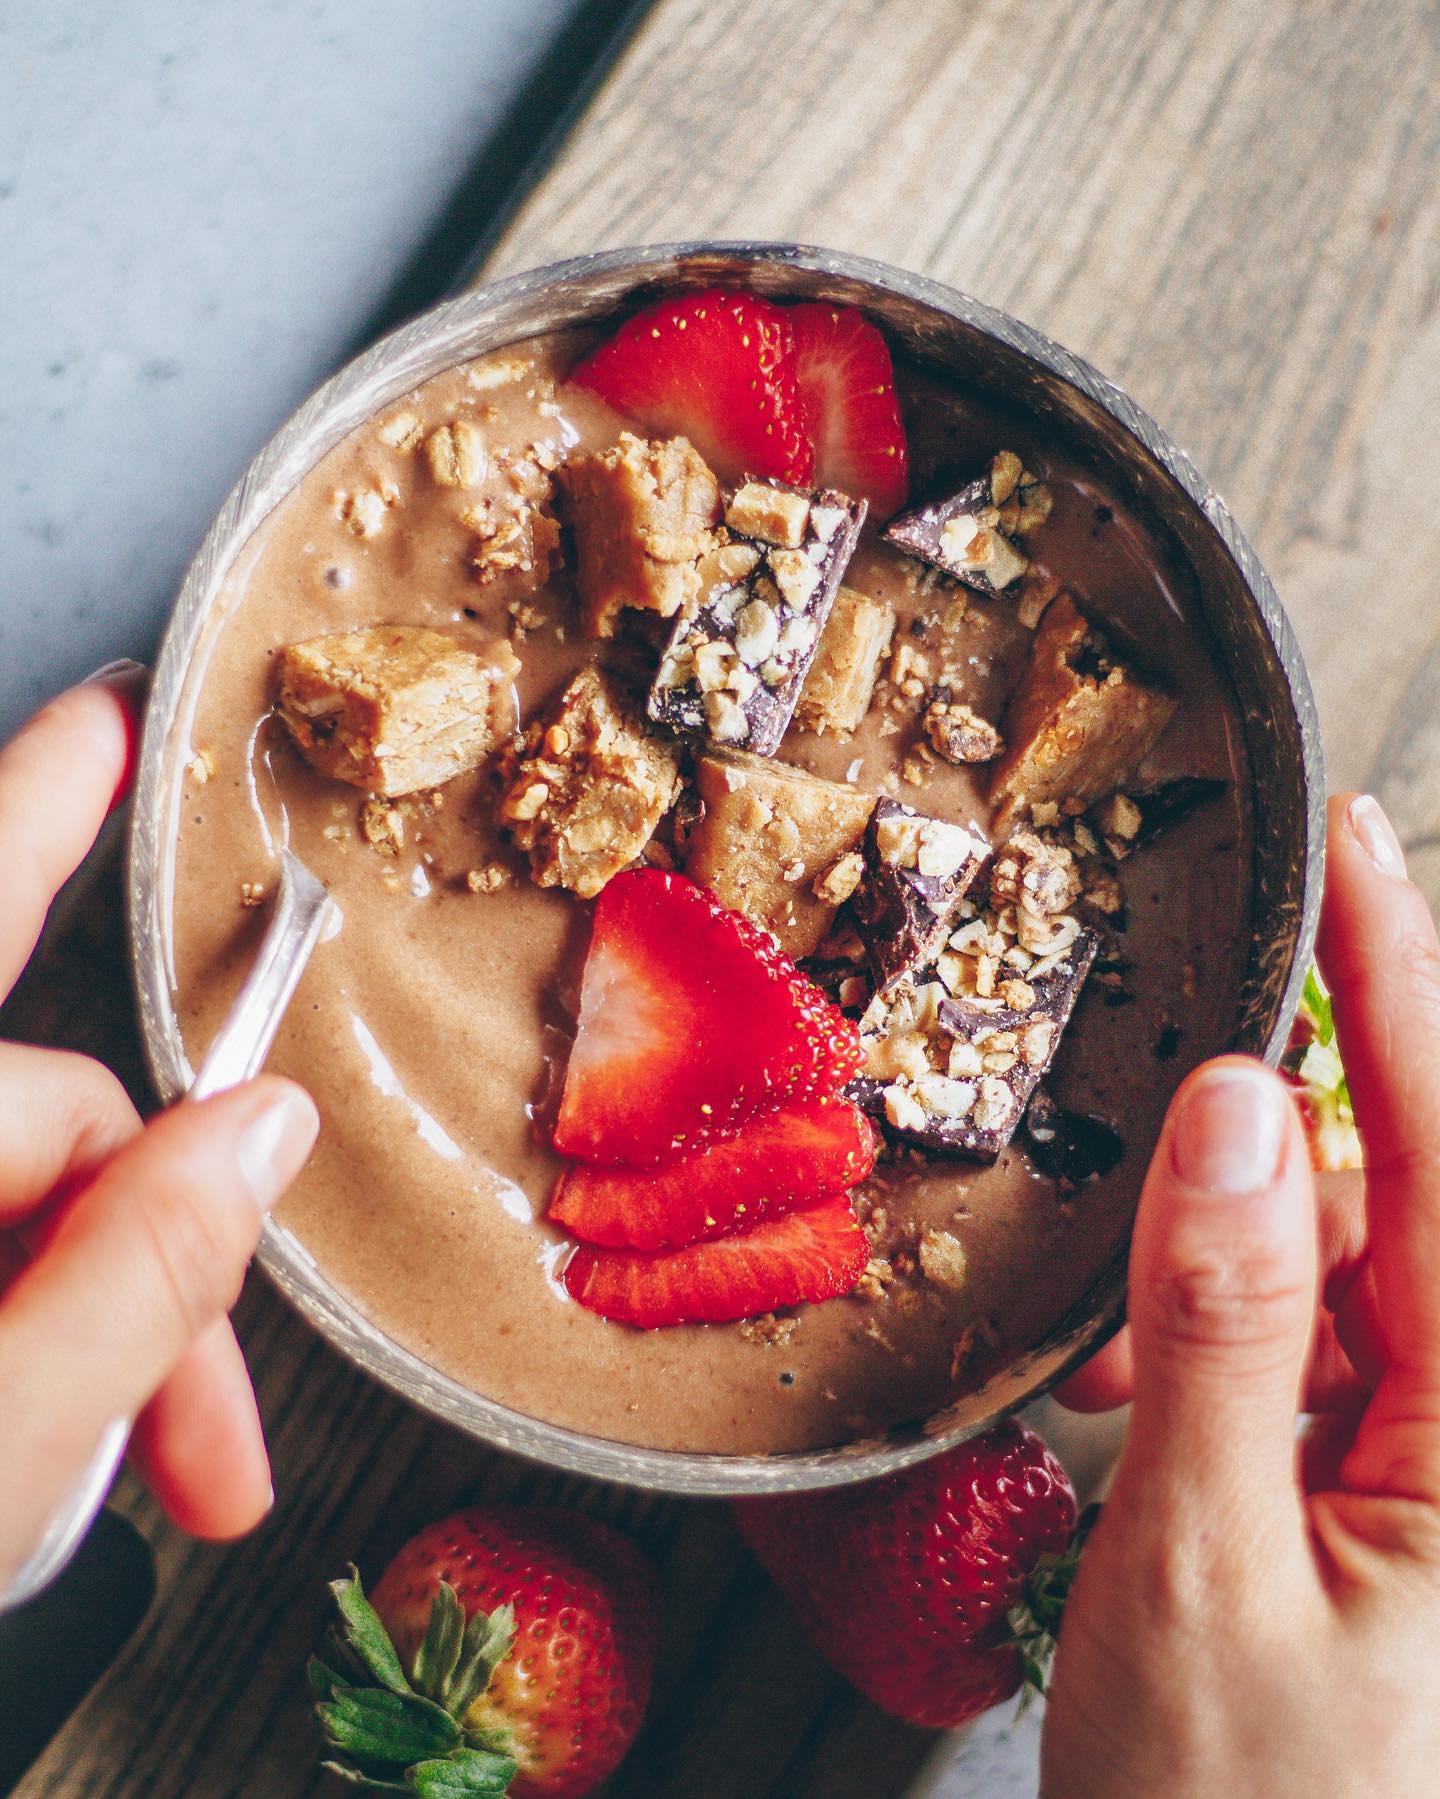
{"points": [[302, 908]]}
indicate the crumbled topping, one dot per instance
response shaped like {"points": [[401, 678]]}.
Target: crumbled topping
{"points": [[382, 826], [959, 734], [942, 1259], [775, 515], [364, 513], [401, 431]]}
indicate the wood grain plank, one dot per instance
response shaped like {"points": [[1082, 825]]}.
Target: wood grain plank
{"points": [[1233, 210]]}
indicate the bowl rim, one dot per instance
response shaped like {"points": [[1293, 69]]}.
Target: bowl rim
{"points": [[151, 832]]}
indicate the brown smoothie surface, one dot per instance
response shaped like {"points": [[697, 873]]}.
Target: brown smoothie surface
{"points": [[432, 1028]]}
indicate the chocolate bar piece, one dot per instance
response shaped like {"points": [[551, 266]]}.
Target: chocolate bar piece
{"points": [[954, 1070], [1078, 723], [916, 871], [1125, 821], [736, 661], [972, 534]]}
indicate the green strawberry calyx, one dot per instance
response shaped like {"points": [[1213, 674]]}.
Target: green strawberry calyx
{"points": [[419, 1731], [1313, 1061], [1035, 1617]]}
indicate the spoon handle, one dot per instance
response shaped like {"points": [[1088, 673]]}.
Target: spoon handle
{"points": [[302, 909]]}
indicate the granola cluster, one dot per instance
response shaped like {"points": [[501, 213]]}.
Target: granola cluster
{"points": [[584, 794]]}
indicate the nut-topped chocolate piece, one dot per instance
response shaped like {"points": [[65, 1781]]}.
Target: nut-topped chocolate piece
{"points": [[735, 663], [954, 1053], [916, 871], [972, 534]]}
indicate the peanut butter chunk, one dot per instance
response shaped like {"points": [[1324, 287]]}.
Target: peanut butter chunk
{"points": [[643, 515], [776, 844], [856, 639], [394, 708], [1078, 723], [585, 797]]}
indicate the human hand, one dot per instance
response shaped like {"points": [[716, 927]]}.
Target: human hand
{"points": [[1245, 1621], [122, 1246]]}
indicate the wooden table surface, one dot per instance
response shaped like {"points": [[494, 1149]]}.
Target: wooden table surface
{"points": [[1231, 208]]}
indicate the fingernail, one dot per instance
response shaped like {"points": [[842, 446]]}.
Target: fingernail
{"points": [[1376, 835], [271, 1148], [120, 670], [1228, 1132]]}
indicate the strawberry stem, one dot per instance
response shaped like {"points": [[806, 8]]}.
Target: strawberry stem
{"points": [[1035, 1618], [402, 1734]]}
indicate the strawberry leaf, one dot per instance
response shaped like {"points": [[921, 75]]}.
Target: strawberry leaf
{"points": [[379, 1726], [365, 1637], [488, 1637], [439, 1654], [1035, 1620], [466, 1772]]}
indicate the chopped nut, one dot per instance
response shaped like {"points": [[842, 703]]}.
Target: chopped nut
{"points": [[489, 879], [201, 767], [1120, 817], [395, 708], [514, 538], [382, 826], [252, 893], [942, 1259], [841, 879], [959, 734]]}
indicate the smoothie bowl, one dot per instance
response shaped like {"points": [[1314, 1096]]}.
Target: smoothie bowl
{"points": [[805, 767]]}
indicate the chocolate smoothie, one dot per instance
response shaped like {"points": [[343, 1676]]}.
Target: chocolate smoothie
{"points": [[433, 1026]]}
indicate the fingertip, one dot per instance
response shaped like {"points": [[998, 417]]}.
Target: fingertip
{"points": [[1104, 1382], [200, 1445], [124, 685]]}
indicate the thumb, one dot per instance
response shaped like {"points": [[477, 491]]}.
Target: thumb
{"points": [[1222, 1293], [146, 1256]]}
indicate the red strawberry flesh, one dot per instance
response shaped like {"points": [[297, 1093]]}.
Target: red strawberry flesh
{"points": [[716, 367], [806, 1256], [847, 384], [691, 1022], [779, 1162]]}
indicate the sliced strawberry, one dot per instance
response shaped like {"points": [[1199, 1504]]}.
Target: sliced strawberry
{"points": [[717, 368], [779, 1162], [806, 1256], [691, 1021], [847, 384]]}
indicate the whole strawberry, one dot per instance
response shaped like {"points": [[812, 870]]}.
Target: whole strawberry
{"points": [[508, 1649], [907, 1585]]}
